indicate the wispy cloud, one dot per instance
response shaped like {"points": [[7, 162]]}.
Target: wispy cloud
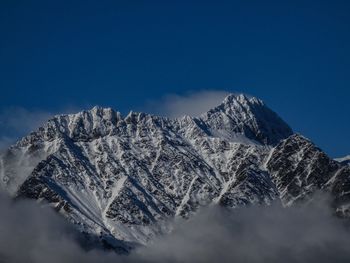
{"points": [[192, 103], [18, 119], [16, 122], [5, 141]]}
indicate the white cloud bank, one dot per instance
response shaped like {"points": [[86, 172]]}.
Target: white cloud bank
{"points": [[274, 234]]}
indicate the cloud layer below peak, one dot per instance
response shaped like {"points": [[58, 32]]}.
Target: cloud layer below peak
{"points": [[30, 233]]}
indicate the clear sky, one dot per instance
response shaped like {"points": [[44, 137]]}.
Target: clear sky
{"points": [[295, 55]]}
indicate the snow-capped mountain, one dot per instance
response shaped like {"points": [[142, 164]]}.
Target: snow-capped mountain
{"points": [[119, 179]]}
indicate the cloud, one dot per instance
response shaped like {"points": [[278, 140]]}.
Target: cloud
{"points": [[15, 167], [256, 234], [19, 119], [16, 122], [34, 234], [192, 103], [5, 141]]}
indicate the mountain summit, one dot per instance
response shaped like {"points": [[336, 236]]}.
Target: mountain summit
{"points": [[118, 179], [249, 116]]}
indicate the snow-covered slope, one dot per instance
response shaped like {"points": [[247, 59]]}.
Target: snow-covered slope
{"points": [[119, 178], [345, 159], [299, 169]]}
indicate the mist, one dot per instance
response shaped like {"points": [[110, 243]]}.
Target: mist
{"points": [[191, 104], [33, 233], [16, 122], [30, 232], [257, 234]]}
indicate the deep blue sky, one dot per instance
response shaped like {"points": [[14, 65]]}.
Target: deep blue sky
{"points": [[295, 55]]}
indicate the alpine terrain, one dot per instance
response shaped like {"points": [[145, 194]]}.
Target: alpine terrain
{"points": [[118, 179]]}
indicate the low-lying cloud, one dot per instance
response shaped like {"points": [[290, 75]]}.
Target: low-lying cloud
{"points": [[310, 233], [33, 234], [192, 103], [256, 234]]}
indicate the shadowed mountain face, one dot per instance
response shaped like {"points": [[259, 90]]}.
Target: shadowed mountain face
{"points": [[120, 178]]}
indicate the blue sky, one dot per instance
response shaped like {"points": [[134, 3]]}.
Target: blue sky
{"points": [[295, 55]]}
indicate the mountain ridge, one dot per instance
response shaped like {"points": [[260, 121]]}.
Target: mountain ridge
{"points": [[120, 178]]}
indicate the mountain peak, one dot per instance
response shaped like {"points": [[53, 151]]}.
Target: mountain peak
{"points": [[119, 178], [250, 116], [241, 98]]}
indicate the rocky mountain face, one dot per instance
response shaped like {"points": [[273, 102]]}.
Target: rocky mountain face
{"points": [[118, 179]]}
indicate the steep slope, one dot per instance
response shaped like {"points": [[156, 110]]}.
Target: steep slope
{"points": [[248, 116], [119, 178], [299, 169]]}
